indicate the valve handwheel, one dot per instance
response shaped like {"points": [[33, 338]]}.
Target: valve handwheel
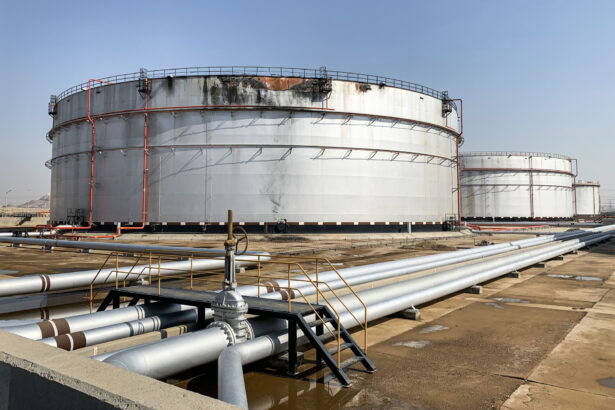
{"points": [[240, 236]]}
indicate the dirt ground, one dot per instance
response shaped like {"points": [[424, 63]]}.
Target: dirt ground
{"points": [[544, 340]]}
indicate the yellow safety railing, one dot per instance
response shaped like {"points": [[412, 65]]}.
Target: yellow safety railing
{"points": [[153, 271]]}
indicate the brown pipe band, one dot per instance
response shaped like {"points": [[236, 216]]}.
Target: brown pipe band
{"points": [[47, 329], [63, 342], [78, 340], [61, 325]]}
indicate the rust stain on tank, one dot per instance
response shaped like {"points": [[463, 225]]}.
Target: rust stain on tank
{"points": [[280, 83], [362, 87]]}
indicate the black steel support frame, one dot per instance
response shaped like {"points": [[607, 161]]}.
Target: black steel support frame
{"points": [[279, 309]]}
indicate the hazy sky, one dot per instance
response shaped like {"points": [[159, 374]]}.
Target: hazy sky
{"points": [[534, 76]]}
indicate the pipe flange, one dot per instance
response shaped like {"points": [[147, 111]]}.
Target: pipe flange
{"points": [[249, 331], [230, 301], [227, 329]]}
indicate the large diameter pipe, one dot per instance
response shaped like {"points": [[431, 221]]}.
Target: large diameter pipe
{"points": [[77, 340], [72, 280], [55, 327], [155, 359], [276, 289], [381, 301], [120, 247]]}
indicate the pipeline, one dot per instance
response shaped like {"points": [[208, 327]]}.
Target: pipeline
{"points": [[56, 327], [77, 340], [381, 301], [166, 357], [121, 247], [384, 270], [72, 280], [369, 273], [366, 273]]}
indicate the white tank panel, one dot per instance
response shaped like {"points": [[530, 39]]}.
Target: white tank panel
{"points": [[504, 185], [270, 148], [587, 196]]}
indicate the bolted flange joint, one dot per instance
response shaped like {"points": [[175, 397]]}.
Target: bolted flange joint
{"points": [[230, 307]]}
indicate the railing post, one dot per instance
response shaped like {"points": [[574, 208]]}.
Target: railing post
{"points": [[288, 291], [317, 282], [339, 347], [149, 279], [191, 259], [159, 275], [116, 271], [365, 331], [258, 284]]}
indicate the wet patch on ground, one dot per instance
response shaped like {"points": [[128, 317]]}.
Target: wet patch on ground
{"points": [[415, 344], [573, 277], [432, 328], [608, 382], [510, 300]]}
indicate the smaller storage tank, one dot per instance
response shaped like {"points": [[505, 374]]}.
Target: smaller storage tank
{"points": [[516, 186], [586, 198]]}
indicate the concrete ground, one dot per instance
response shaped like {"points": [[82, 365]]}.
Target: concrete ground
{"points": [[541, 341]]}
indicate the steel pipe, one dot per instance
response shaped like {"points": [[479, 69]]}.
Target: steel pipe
{"points": [[276, 289], [120, 247], [55, 327], [157, 359], [77, 340], [72, 280]]}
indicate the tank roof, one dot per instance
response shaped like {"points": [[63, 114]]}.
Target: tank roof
{"points": [[588, 183], [261, 71], [512, 153]]}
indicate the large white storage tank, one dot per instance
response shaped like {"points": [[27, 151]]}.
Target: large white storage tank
{"points": [[587, 198], [516, 186], [294, 146]]}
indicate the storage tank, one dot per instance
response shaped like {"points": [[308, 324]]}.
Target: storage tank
{"points": [[586, 198], [516, 186], [277, 145]]}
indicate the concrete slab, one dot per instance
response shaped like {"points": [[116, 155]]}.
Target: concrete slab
{"points": [[537, 396], [34, 375]]}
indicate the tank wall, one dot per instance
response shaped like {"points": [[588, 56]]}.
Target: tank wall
{"points": [[320, 166], [587, 200], [258, 91], [498, 186]]}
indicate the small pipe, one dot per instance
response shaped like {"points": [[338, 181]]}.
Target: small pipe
{"points": [[121, 247], [55, 327], [77, 340], [73, 280]]}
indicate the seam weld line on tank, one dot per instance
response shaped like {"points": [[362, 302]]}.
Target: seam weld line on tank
{"points": [[225, 146], [255, 107], [92, 149], [535, 185], [530, 170]]}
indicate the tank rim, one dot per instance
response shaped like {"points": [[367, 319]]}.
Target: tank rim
{"points": [[261, 71]]}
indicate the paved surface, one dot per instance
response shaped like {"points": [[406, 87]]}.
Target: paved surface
{"points": [[535, 342], [541, 341]]}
